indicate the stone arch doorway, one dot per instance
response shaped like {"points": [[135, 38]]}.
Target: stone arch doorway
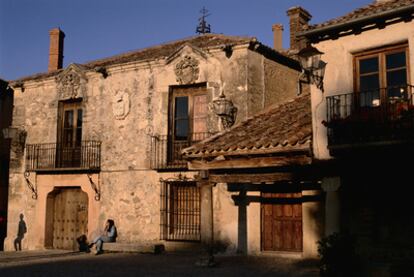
{"points": [[66, 217]]}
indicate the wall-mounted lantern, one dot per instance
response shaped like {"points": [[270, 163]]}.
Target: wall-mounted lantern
{"points": [[14, 133], [10, 132], [312, 65], [225, 109]]}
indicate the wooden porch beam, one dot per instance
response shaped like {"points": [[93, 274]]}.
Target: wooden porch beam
{"points": [[251, 178], [249, 162]]}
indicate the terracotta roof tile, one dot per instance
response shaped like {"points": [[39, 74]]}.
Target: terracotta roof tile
{"points": [[375, 8], [283, 126], [156, 52], [164, 50]]}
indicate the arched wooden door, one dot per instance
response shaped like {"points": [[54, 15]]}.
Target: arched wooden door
{"points": [[70, 217]]}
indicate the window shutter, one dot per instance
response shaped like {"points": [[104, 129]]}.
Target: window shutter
{"points": [[200, 112]]}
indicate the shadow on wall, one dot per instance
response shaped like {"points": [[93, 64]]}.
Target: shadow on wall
{"points": [[21, 230]]}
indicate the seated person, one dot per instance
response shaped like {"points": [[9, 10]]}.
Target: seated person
{"points": [[108, 236]]}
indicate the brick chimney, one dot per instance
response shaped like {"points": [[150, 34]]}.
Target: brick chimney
{"points": [[298, 19], [55, 49], [277, 36]]}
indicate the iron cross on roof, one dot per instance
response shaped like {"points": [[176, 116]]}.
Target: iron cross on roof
{"points": [[203, 27]]}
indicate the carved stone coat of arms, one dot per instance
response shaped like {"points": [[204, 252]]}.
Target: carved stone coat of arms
{"points": [[120, 104], [187, 70]]}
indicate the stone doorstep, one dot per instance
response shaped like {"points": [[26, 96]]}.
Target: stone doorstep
{"points": [[133, 247], [153, 248]]}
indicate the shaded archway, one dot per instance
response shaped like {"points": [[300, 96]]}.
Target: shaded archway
{"points": [[66, 217]]}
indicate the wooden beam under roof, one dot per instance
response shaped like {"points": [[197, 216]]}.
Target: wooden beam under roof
{"points": [[249, 162]]}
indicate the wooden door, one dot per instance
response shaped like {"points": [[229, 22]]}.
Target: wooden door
{"points": [[70, 219], [282, 223]]}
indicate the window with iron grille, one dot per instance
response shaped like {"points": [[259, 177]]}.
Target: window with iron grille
{"points": [[180, 211]]}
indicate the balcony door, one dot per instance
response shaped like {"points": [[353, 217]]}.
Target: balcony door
{"points": [[382, 76], [188, 118], [69, 134]]}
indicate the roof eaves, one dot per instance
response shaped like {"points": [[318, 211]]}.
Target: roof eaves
{"points": [[356, 21], [275, 55], [303, 147], [123, 57]]}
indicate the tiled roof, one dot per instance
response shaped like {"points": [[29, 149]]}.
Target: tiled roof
{"points": [[373, 9], [283, 127], [157, 52], [164, 50]]}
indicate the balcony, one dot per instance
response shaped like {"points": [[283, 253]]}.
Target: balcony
{"points": [[383, 115], [166, 152], [57, 157]]}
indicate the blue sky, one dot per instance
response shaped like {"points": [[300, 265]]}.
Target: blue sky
{"points": [[101, 28]]}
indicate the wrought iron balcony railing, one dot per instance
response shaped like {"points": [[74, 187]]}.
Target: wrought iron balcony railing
{"points": [[376, 115], [57, 156], [166, 152]]}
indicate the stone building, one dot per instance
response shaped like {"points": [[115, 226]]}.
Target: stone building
{"points": [[363, 126], [104, 138]]}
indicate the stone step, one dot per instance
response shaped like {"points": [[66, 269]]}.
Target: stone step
{"points": [[154, 247], [179, 246], [134, 247]]}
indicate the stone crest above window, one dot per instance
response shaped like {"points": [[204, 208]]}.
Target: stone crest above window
{"points": [[186, 70], [71, 83], [187, 60]]}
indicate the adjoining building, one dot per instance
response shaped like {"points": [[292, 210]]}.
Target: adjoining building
{"points": [[363, 124], [295, 173], [6, 107]]}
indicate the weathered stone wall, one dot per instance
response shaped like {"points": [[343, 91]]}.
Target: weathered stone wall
{"points": [[255, 83], [225, 220], [269, 83], [130, 190], [281, 83]]}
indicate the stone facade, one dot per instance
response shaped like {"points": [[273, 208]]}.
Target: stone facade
{"points": [[123, 110]]}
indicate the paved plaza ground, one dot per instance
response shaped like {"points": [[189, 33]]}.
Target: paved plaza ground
{"points": [[62, 263]]}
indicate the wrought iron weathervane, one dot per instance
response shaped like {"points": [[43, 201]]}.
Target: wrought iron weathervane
{"points": [[203, 27]]}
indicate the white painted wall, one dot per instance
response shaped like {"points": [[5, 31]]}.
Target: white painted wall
{"points": [[339, 70]]}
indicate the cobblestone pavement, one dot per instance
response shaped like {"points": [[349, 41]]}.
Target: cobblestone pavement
{"points": [[63, 263]]}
